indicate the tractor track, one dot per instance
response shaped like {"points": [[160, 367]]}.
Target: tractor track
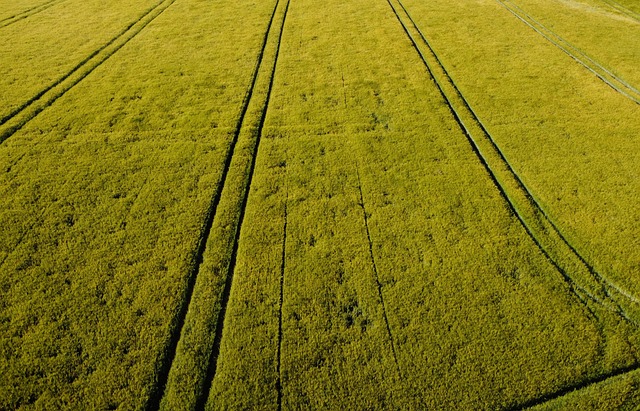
{"points": [[519, 199], [574, 387], [234, 155], [213, 360], [622, 9], [607, 76], [605, 285], [28, 13], [279, 387], [27, 111], [376, 275]]}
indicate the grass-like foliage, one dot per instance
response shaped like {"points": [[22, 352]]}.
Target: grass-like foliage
{"points": [[294, 205]]}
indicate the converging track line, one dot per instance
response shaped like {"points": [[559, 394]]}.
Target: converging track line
{"points": [[198, 256], [545, 234], [26, 112], [612, 80]]}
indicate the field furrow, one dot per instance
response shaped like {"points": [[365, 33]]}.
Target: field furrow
{"points": [[27, 13], [579, 274], [17, 119], [605, 74], [94, 173]]}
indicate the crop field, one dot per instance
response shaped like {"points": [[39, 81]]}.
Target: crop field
{"points": [[319, 204]]}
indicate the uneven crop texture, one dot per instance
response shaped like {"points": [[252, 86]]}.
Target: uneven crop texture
{"points": [[103, 197], [319, 204]]}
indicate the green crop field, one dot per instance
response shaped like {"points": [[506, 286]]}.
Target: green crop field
{"points": [[319, 204]]}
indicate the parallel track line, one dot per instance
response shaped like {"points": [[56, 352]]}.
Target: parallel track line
{"points": [[605, 284], [602, 287], [213, 359], [28, 13], [622, 9], [198, 257], [604, 74], [22, 115]]}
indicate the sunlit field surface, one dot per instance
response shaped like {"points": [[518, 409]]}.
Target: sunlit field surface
{"points": [[319, 204]]}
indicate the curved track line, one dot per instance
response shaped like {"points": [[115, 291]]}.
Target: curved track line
{"points": [[606, 285], [575, 387], [577, 290], [213, 360], [546, 232], [28, 13], [604, 74], [46, 97], [520, 183], [198, 257]]}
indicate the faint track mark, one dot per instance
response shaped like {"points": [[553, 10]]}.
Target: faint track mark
{"points": [[607, 76], [376, 274]]}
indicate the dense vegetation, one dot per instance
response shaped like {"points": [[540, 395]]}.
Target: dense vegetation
{"points": [[321, 204]]}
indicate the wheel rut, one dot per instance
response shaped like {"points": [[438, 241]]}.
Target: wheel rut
{"points": [[218, 245], [283, 265], [574, 387], [213, 361], [584, 281], [606, 75], [376, 275], [28, 13], [622, 9], [28, 110]]}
